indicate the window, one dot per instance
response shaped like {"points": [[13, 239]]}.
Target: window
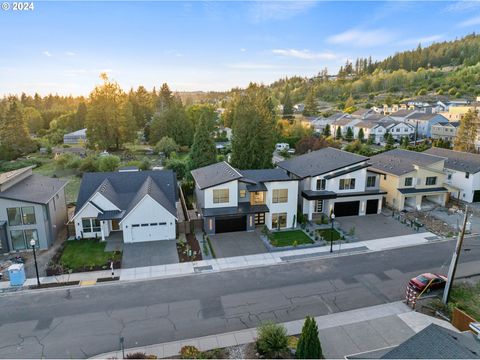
{"points": [[431, 180], [319, 206], [14, 216], [91, 225], [28, 215], [259, 218], [243, 193], [371, 181], [257, 198], [280, 196], [29, 235], [18, 240], [279, 220], [449, 176], [467, 175], [135, 225], [397, 130], [321, 183], [220, 196], [347, 184], [408, 181]]}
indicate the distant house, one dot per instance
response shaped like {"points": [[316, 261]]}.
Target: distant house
{"points": [[31, 207], [445, 130], [141, 205], [298, 108], [398, 129], [411, 179], [344, 124], [374, 130], [423, 123], [402, 114], [362, 113], [76, 137], [463, 172]]}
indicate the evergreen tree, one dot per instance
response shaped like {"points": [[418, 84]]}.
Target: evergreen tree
{"points": [[390, 142], [311, 105], [326, 131], [309, 343], [349, 134], [165, 98], [80, 116], [338, 134], [287, 105], [203, 150], [361, 135], [467, 132]]}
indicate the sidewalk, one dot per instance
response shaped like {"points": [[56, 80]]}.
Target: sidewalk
{"points": [[239, 262], [341, 334]]}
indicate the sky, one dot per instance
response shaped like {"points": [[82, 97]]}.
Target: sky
{"points": [[62, 47]]}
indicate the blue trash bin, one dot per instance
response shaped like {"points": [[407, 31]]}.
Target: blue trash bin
{"points": [[16, 273]]}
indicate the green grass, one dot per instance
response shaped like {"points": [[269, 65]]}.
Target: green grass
{"points": [[327, 234], [466, 297], [78, 254], [288, 238]]}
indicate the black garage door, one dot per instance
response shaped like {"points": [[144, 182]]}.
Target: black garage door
{"points": [[348, 208], [372, 206], [230, 224], [476, 196]]}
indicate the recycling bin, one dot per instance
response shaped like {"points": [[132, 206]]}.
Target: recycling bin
{"points": [[16, 273]]}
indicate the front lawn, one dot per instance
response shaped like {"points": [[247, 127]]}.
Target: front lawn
{"points": [[466, 297], [327, 234], [289, 238], [82, 255]]}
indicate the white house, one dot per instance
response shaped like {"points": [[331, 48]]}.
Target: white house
{"points": [[334, 181], [140, 205], [344, 124], [463, 173], [399, 129], [371, 129], [240, 200]]}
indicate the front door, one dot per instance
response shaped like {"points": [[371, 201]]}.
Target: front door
{"points": [[259, 218], [115, 225]]}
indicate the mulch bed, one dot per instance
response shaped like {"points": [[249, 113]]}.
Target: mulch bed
{"points": [[191, 244], [51, 285], [106, 279]]}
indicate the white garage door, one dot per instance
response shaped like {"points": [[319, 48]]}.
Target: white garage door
{"points": [[149, 232]]}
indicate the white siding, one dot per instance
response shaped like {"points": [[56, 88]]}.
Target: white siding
{"points": [[466, 186], [88, 211], [232, 186], [102, 202], [290, 207]]}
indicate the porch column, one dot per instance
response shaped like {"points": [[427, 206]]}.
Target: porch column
{"points": [[102, 223], [418, 202]]}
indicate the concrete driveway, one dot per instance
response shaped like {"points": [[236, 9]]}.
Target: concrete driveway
{"points": [[149, 253], [237, 244], [370, 227]]}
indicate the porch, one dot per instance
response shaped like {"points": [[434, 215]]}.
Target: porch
{"points": [[423, 199]]}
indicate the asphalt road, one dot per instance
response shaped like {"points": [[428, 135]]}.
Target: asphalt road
{"points": [[83, 322]]}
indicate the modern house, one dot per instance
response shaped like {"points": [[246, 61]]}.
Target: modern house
{"points": [[335, 181], [423, 122], [411, 179], [374, 130], [445, 130], [237, 200], [31, 207], [463, 172], [140, 206], [76, 137]]}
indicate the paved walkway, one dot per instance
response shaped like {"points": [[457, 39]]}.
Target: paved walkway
{"points": [[239, 262], [341, 334]]}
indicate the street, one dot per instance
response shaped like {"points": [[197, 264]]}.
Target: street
{"points": [[83, 322]]}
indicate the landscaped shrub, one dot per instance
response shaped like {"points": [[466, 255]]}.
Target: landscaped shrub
{"points": [[140, 355], [308, 346], [272, 341], [189, 352]]}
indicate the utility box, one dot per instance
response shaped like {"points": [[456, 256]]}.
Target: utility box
{"points": [[16, 273]]}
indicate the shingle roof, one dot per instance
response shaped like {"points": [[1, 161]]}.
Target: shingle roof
{"points": [[125, 189], [457, 160], [35, 189], [215, 174], [436, 342], [365, 124], [265, 175], [424, 116], [320, 162], [403, 113], [400, 162]]}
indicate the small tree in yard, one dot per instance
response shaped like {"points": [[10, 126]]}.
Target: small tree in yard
{"points": [[309, 344], [361, 135], [166, 145], [338, 134], [349, 134], [272, 341]]}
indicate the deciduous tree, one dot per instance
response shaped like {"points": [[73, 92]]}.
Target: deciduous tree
{"points": [[467, 132]]}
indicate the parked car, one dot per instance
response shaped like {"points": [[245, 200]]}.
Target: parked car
{"points": [[421, 281], [291, 151]]}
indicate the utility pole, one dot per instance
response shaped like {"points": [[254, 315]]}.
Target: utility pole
{"points": [[455, 256]]}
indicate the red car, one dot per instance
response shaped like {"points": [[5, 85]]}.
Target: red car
{"points": [[421, 281]]}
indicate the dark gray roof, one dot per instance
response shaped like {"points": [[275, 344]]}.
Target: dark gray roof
{"points": [[125, 189], [243, 208], [436, 342], [320, 162], [215, 174], [422, 190], [35, 189], [425, 116], [265, 175], [400, 162], [457, 160]]}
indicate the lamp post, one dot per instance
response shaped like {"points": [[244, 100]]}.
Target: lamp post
{"points": [[32, 244], [332, 218]]}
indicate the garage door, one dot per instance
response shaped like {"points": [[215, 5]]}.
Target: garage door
{"points": [[476, 196], [372, 206], [148, 232], [238, 223], [348, 208]]}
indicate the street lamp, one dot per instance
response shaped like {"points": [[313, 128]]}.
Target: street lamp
{"points": [[32, 244], [332, 218]]}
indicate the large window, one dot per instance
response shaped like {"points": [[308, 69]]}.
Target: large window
{"points": [[280, 196], [220, 196], [408, 181], [431, 180], [321, 183], [279, 220], [257, 198], [347, 184], [243, 193], [21, 238], [90, 225], [371, 181], [21, 216]]}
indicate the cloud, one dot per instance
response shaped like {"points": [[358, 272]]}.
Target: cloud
{"points": [[243, 49], [278, 10], [462, 6], [251, 66], [47, 53], [304, 54], [470, 22], [422, 40], [173, 52], [70, 53], [362, 38]]}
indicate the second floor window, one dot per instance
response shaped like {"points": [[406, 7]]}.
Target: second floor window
{"points": [[371, 181], [243, 193], [347, 184], [280, 196], [431, 180], [321, 184], [21, 216], [220, 196], [408, 181]]}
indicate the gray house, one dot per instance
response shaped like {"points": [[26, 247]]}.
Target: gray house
{"points": [[31, 207]]}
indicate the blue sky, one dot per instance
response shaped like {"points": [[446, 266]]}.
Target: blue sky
{"points": [[62, 47]]}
